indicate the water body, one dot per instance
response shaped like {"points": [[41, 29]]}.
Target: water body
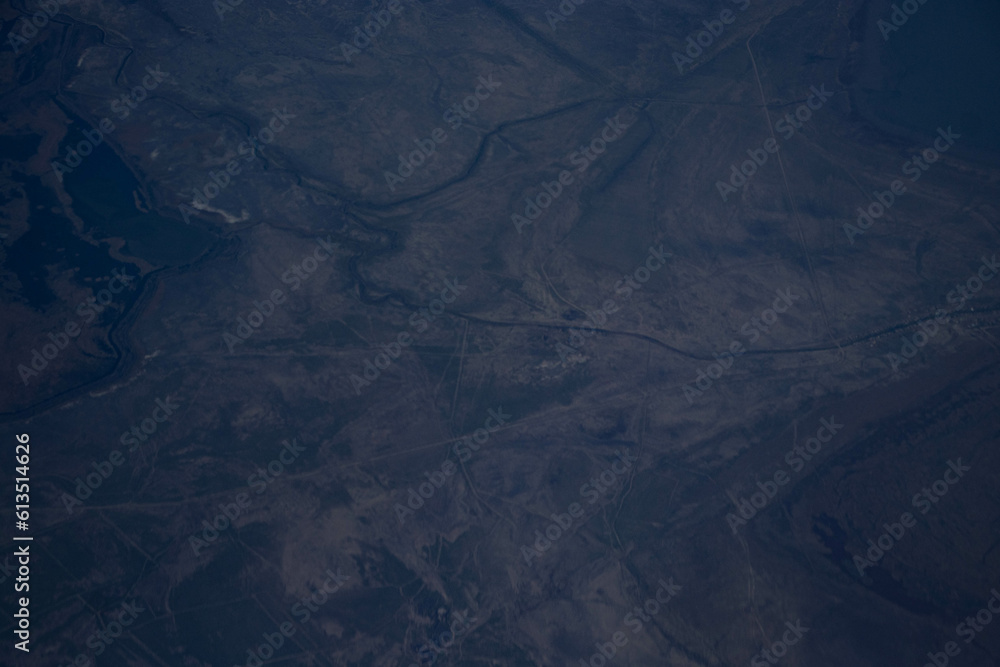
{"points": [[105, 194], [104, 197], [941, 68], [20, 147], [51, 241], [107, 198]]}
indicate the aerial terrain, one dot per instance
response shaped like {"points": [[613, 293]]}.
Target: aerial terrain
{"points": [[498, 333]]}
